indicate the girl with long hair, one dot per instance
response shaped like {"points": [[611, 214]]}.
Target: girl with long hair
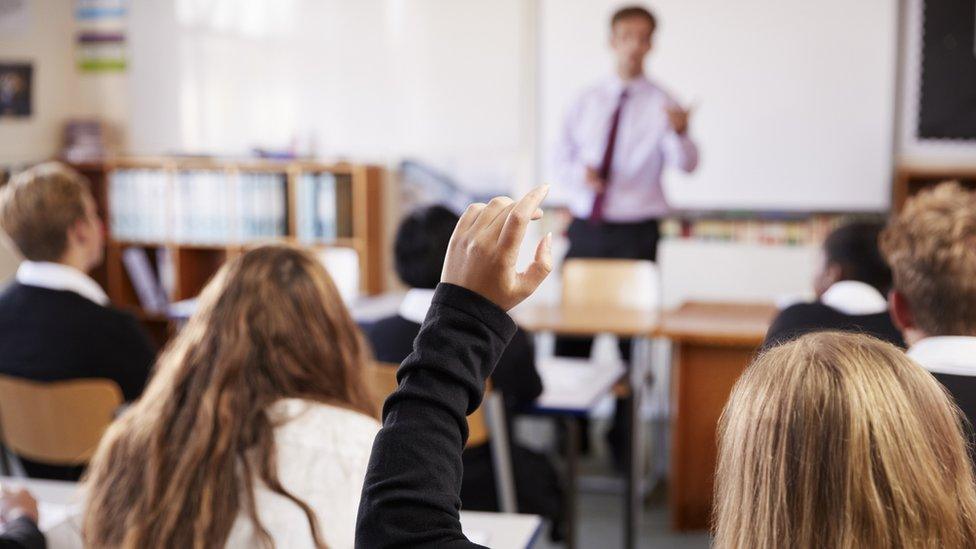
{"points": [[841, 441], [256, 428]]}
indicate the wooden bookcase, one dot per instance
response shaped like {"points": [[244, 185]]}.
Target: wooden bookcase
{"points": [[912, 178], [194, 264]]}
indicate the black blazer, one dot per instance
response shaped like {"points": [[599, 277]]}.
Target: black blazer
{"points": [[804, 318], [53, 335]]}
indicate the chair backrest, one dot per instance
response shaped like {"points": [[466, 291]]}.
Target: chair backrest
{"points": [[382, 379], [626, 283], [59, 422]]}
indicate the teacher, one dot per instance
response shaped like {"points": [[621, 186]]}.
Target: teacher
{"points": [[618, 137]]}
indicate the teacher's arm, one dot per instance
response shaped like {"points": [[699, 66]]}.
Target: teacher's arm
{"points": [[679, 149], [573, 173], [410, 496]]}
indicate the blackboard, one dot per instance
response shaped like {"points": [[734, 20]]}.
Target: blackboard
{"points": [[947, 98]]}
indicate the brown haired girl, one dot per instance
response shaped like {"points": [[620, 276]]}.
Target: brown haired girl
{"points": [[839, 440], [256, 428]]}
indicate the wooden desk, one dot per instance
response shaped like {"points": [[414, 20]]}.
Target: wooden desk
{"points": [[713, 344], [586, 321]]}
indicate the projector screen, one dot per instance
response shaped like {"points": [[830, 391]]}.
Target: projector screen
{"points": [[794, 99]]}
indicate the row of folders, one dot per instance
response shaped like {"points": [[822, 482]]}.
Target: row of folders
{"points": [[216, 207]]}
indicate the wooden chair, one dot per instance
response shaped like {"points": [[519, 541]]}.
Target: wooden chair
{"points": [[56, 423], [485, 425], [630, 284]]}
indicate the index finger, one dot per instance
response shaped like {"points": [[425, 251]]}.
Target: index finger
{"points": [[518, 218]]}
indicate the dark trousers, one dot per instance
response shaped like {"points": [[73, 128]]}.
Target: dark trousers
{"points": [[608, 241]]}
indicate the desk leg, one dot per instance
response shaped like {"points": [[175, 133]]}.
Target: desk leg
{"points": [[571, 497], [634, 445]]}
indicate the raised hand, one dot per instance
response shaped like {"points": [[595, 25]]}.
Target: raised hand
{"points": [[484, 247], [678, 118]]}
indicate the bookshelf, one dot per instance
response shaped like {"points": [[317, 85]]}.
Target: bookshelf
{"points": [[912, 178], [190, 215]]}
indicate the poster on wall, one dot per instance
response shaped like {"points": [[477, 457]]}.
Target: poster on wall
{"points": [[947, 94], [100, 42], [16, 80]]}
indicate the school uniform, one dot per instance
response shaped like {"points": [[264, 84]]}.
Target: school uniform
{"points": [[321, 452], [410, 495], [56, 324], [847, 306], [537, 484], [22, 533], [952, 360]]}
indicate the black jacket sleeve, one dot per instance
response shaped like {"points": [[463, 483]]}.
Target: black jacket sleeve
{"points": [[516, 375], [22, 533], [410, 496]]}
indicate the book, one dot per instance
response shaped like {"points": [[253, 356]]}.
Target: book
{"points": [[150, 292]]}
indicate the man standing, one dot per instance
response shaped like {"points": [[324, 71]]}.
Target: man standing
{"points": [[617, 139]]}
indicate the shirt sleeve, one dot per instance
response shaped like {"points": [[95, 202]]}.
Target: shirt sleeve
{"points": [[132, 355], [567, 160], [411, 493], [22, 533], [680, 151]]}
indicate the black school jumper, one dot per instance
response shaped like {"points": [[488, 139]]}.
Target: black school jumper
{"points": [[410, 496], [803, 318]]}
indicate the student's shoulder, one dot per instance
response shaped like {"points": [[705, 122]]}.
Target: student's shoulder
{"points": [[317, 425]]}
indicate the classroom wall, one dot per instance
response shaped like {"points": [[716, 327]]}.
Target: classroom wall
{"points": [[47, 42]]}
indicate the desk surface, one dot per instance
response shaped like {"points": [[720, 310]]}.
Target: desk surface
{"points": [[57, 499], [586, 321], [718, 323], [574, 386]]}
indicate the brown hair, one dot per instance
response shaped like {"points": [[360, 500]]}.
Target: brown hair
{"points": [[931, 247], [840, 440], [170, 471], [628, 12], [39, 205]]}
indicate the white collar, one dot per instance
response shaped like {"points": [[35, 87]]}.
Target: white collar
{"points": [[615, 85], [852, 297], [415, 304], [954, 355], [56, 276]]}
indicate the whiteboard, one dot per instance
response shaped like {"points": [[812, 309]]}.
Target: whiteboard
{"points": [[795, 98]]}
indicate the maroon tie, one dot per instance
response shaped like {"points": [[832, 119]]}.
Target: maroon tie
{"points": [[596, 214]]}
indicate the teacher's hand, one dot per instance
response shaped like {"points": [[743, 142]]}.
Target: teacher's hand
{"points": [[594, 181], [678, 118], [485, 244]]}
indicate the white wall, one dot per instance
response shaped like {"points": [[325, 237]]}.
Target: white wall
{"points": [[795, 98], [373, 79], [47, 43]]}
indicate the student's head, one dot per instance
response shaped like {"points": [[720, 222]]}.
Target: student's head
{"points": [[421, 244], [840, 440], [631, 33], [931, 247], [851, 252], [177, 467], [49, 214]]}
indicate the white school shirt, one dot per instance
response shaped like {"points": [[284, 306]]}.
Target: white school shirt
{"points": [[57, 276], [952, 355]]}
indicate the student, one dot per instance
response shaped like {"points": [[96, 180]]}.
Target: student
{"points": [[851, 288], [931, 246], [256, 428], [421, 244], [55, 321], [18, 516], [839, 440], [410, 497]]}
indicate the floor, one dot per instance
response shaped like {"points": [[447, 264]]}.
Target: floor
{"points": [[600, 514], [600, 527]]}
